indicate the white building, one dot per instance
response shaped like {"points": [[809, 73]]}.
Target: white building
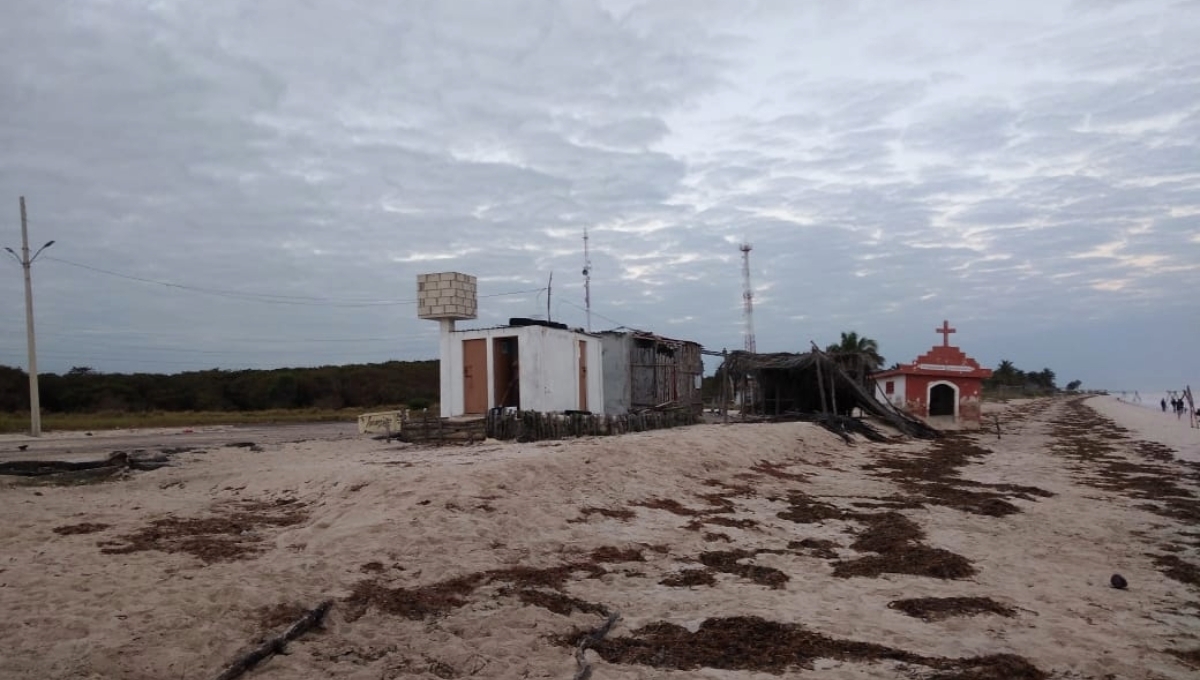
{"points": [[536, 366], [533, 367]]}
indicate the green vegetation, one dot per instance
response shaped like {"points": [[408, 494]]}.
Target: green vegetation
{"points": [[858, 356], [86, 399], [1009, 381], [114, 420]]}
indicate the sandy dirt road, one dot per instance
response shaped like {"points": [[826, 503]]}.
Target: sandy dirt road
{"points": [[80, 446]]}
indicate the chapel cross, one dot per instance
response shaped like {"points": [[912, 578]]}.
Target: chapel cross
{"points": [[945, 330]]}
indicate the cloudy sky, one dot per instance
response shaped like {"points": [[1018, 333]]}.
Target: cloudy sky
{"points": [[257, 184]]}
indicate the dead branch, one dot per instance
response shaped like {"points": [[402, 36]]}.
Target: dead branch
{"points": [[585, 668], [276, 645]]}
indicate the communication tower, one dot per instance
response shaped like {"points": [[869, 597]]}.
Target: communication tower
{"points": [[747, 298]]}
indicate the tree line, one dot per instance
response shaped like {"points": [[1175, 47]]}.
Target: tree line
{"points": [[859, 356], [83, 390]]}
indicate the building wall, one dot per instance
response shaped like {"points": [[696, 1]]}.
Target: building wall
{"points": [[898, 397], [639, 375], [911, 393], [617, 377], [549, 368]]}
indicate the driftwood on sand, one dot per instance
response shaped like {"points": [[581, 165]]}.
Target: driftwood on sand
{"points": [[585, 668], [63, 469], [275, 645]]}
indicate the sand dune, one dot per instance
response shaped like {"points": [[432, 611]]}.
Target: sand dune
{"points": [[484, 561]]}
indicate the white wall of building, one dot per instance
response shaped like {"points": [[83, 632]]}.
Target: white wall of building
{"points": [[896, 398], [548, 364]]}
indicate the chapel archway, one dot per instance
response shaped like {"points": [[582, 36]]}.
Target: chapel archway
{"points": [[942, 398]]}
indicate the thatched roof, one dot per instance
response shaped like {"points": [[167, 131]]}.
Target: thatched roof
{"points": [[787, 383]]}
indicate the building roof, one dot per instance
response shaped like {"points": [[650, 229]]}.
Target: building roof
{"points": [[945, 361]]}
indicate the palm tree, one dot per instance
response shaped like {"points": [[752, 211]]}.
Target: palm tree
{"points": [[858, 354], [1005, 373]]}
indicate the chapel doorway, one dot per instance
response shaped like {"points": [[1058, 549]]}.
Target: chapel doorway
{"points": [[941, 400]]}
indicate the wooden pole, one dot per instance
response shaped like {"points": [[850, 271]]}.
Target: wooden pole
{"points": [[820, 378]]}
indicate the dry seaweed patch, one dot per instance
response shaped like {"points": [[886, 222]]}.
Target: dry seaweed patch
{"points": [[690, 577], [939, 608], [231, 535], [670, 505], [610, 553], [435, 599], [623, 514], [815, 547], [895, 538], [729, 562], [777, 471], [804, 509], [933, 477], [411, 603], [750, 643], [1191, 657], [1174, 567], [83, 528], [1091, 440], [556, 602]]}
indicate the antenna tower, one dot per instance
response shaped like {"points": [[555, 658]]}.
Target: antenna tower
{"points": [[747, 298], [587, 280]]}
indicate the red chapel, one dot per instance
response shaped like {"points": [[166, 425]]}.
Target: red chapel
{"points": [[942, 387]]}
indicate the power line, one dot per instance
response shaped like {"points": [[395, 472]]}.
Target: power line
{"points": [[268, 298], [595, 313]]}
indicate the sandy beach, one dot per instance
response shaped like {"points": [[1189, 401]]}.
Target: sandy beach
{"points": [[727, 551]]}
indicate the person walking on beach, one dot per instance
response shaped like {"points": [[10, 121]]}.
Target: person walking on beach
{"points": [[1164, 404]]}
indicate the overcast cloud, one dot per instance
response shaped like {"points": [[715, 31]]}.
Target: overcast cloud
{"points": [[1028, 170]]}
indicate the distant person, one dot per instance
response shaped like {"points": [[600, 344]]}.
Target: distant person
{"points": [[1164, 404]]}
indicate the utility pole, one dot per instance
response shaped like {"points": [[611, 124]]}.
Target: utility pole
{"points": [[587, 280], [35, 406]]}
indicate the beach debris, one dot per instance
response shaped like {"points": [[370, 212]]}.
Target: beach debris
{"points": [[276, 645], [81, 472], [690, 577], [1118, 582], [1107, 457], [939, 608], [250, 446], [1190, 657], [590, 640], [730, 562], [932, 477], [83, 528], [231, 533], [752, 643], [22, 447]]}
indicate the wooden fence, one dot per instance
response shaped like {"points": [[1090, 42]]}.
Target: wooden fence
{"points": [[426, 428], [530, 426], [527, 426]]}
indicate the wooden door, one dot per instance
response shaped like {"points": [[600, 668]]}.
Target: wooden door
{"points": [[475, 396], [583, 374]]}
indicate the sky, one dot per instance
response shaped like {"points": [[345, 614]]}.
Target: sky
{"points": [[236, 184]]}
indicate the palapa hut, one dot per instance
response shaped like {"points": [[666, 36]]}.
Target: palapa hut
{"points": [[787, 385]]}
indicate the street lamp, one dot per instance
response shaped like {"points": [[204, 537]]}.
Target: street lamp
{"points": [[35, 406]]}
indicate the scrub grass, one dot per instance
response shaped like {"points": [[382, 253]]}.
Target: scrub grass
{"points": [[16, 423]]}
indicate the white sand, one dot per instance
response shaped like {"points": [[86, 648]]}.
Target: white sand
{"points": [[1152, 424], [426, 515]]}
